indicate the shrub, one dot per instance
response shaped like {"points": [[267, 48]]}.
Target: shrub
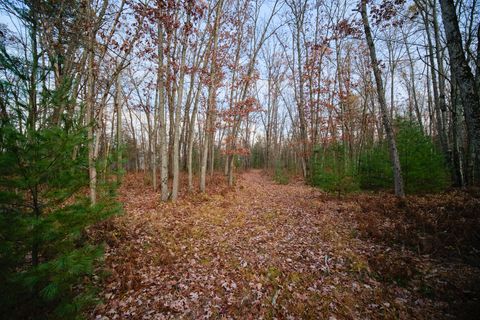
{"points": [[375, 169], [332, 171], [281, 176], [422, 163], [423, 166]]}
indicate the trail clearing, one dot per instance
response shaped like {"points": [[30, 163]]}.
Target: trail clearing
{"points": [[268, 251]]}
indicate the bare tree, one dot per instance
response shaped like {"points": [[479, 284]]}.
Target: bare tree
{"points": [[397, 171]]}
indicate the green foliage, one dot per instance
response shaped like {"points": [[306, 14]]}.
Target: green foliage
{"points": [[46, 260], [46, 263], [422, 163], [375, 170], [332, 171], [257, 156], [423, 166], [281, 176]]}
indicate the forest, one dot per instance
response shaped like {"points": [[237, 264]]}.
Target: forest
{"points": [[239, 159]]}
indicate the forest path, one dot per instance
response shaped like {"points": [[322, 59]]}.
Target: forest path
{"points": [[262, 250]]}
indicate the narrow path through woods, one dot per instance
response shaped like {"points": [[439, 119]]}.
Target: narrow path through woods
{"points": [[262, 250]]}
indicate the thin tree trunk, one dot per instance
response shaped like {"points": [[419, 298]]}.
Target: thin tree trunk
{"points": [[458, 172], [212, 149], [92, 170], [118, 105], [441, 81], [153, 138], [211, 98], [161, 116], [191, 132], [178, 109], [436, 95], [301, 103], [134, 138], [461, 72], [413, 88], [397, 171]]}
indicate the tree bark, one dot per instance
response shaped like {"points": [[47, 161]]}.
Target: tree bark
{"points": [[397, 171], [118, 105], [178, 109], [92, 170], [161, 116], [211, 98], [461, 72]]}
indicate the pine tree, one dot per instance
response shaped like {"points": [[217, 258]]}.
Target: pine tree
{"points": [[46, 260]]}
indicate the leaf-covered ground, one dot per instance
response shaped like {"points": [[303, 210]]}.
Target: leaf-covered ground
{"points": [[269, 251]]}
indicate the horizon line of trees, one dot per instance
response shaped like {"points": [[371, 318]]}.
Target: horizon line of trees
{"points": [[166, 86]]}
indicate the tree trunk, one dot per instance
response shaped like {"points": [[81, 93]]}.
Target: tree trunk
{"points": [[458, 172], [413, 88], [92, 170], [461, 72], [436, 94], [397, 171], [301, 102], [153, 139], [161, 116], [191, 133], [211, 98], [118, 105], [177, 121], [441, 81]]}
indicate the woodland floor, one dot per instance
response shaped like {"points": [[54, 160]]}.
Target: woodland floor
{"points": [[263, 250]]}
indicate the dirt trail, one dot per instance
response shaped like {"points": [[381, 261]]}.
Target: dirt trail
{"points": [[261, 251]]}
